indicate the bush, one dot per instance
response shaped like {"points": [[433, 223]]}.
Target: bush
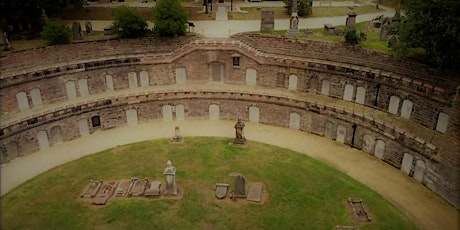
{"points": [[351, 36], [56, 32], [129, 23], [170, 18], [304, 7]]}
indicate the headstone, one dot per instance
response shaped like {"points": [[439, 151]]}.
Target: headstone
{"points": [[406, 165], [88, 27], [23, 102], [213, 112], [406, 109], [170, 173], [42, 138], [122, 189], [294, 121], [251, 77], [255, 191], [379, 149], [267, 22], [240, 187], [443, 121], [254, 113], [56, 135], [341, 134], [36, 97], [384, 31], [325, 87], [180, 76], [180, 112], [144, 75], [83, 87], [83, 127], [167, 113], [328, 129], [177, 138], [394, 105], [71, 91], [360, 95], [329, 29], [294, 21], [348, 92], [132, 79], [239, 135], [221, 190], [92, 189], [154, 189], [137, 187], [419, 171], [109, 82], [368, 143], [351, 19], [12, 151], [292, 82], [76, 29], [131, 117]]}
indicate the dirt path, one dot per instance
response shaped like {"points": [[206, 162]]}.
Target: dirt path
{"points": [[423, 207]]}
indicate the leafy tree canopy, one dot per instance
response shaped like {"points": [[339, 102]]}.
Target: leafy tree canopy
{"points": [[435, 26], [129, 23], [56, 32], [170, 18], [304, 7]]}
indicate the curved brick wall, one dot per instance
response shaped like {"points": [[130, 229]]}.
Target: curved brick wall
{"points": [[389, 109]]}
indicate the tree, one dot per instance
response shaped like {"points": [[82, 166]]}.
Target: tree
{"points": [[304, 7], [170, 18], [351, 36], [129, 23], [56, 32], [434, 26]]}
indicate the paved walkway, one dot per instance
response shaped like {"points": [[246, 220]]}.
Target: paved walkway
{"points": [[423, 207]]}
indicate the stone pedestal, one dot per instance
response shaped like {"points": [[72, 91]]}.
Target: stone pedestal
{"points": [[267, 22], [351, 19]]}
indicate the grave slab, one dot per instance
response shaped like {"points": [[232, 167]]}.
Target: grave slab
{"points": [[255, 191]]}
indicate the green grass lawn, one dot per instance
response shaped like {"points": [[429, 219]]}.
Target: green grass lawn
{"points": [[302, 192]]}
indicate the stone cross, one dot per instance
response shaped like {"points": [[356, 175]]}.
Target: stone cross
{"points": [[294, 21]]}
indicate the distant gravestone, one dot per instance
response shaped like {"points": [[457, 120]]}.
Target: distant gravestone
{"points": [[255, 191], [360, 95], [42, 138], [385, 29], [328, 127], [180, 112], [180, 75], [325, 88], [36, 97], [251, 77], [294, 121], [167, 113], [368, 143], [76, 29], [83, 87], [23, 102], [406, 165], [419, 171], [240, 186], [379, 149], [443, 120], [254, 113], [406, 109], [267, 22], [88, 27], [213, 112], [221, 190], [394, 105], [83, 127], [351, 19], [132, 79], [348, 92], [177, 138], [341, 134], [292, 84], [131, 117], [144, 75]]}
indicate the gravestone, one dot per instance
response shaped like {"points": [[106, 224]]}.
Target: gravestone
{"points": [[221, 190], [137, 187], [254, 113], [251, 77], [443, 120], [341, 134], [167, 113], [239, 135], [368, 143], [122, 189], [144, 78], [267, 22], [325, 88], [83, 87], [36, 97], [384, 31], [42, 138], [329, 29], [177, 138], [83, 127], [394, 105], [406, 109], [180, 112], [12, 151], [348, 92], [109, 82], [170, 173], [71, 91], [132, 79], [294, 21], [351, 19], [56, 135], [294, 121], [213, 112], [240, 186], [23, 102], [419, 171], [292, 85], [255, 191], [88, 27], [154, 189], [328, 129], [181, 76], [131, 117], [76, 29], [360, 95], [379, 149], [406, 165]]}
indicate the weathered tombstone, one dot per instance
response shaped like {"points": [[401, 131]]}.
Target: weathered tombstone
{"points": [[76, 29], [419, 171], [180, 112], [368, 143], [131, 117], [379, 149], [181, 76], [294, 121], [109, 82], [83, 127], [42, 138], [384, 31], [325, 87], [240, 187], [170, 173], [360, 95], [132, 79], [294, 21], [251, 77], [255, 191], [177, 138], [239, 136], [394, 105], [348, 92], [406, 109], [341, 134], [154, 189], [88, 27], [167, 113], [328, 127], [36, 97], [145, 81], [267, 22], [406, 165], [292, 83], [83, 87], [443, 120], [56, 135], [351, 19], [71, 91], [329, 29], [221, 190], [23, 102], [254, 113], [214, 112]]}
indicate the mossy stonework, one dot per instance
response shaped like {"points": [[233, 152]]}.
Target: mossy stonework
{"points": [[403, 113]]}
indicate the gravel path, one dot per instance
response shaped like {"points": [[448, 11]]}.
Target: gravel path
{"points": [[422, 206]]}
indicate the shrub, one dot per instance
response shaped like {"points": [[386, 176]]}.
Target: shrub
{"points": [[170, 18], [56, 32], [351, 36], [129, 23]]}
